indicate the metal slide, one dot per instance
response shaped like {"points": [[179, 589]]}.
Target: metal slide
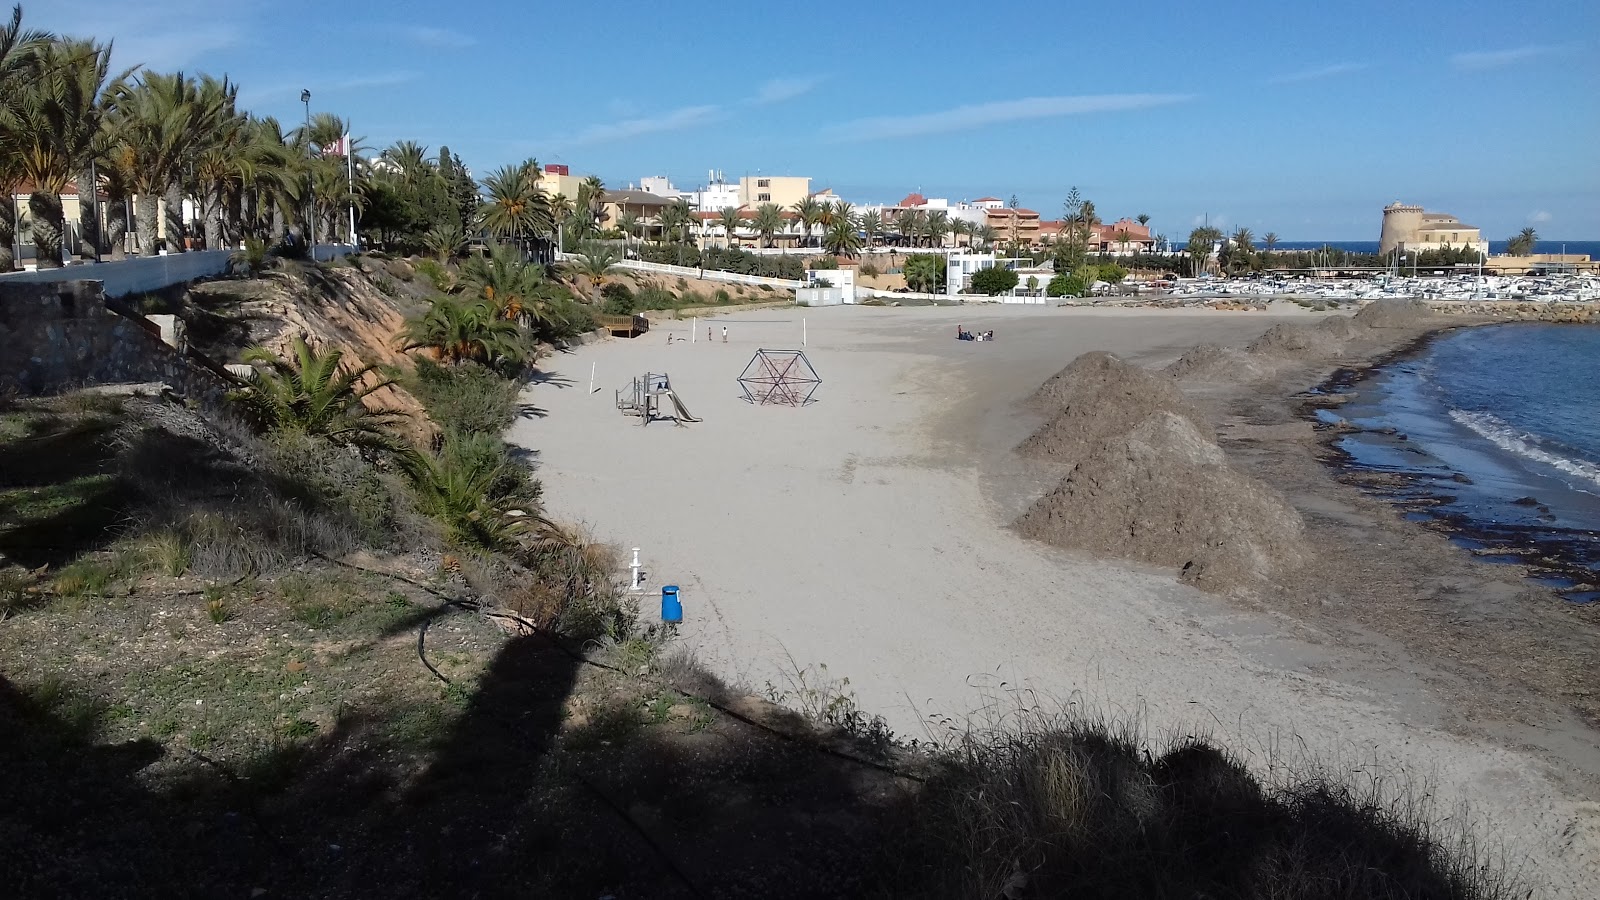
{"points": [[683, 414]]}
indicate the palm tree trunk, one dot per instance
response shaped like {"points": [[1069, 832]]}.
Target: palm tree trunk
{"points": [[117, 227], [88, 216], [213, 218], [175, 232], [146, 212], [8, 231], [49, 221]]}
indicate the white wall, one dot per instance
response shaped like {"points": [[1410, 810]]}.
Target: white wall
{"points": [[150, 273]]}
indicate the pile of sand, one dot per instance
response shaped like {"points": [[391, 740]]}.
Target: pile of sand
{"points": [[1394, 313], [1098, 396], [1212, 362], [1295, 341], [1163, 493], [1340, 328]]}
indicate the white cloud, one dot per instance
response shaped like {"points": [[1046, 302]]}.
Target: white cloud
{"points": [[780, 89], [1540, 217], [1497, 59], [437, 38], [963, 118], [674, 120], [161, 35], [1344, 68]]}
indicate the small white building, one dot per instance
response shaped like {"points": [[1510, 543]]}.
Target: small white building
{"points": [[828, 287]]}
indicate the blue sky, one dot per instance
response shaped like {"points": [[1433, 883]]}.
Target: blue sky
{"points": [[1303, 119]]}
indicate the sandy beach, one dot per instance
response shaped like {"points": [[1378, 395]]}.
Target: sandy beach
{"points": [[869, 532]]}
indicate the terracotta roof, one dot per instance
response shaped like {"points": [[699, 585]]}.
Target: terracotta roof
{"points": [[25, 188], [987, 200], [913, 200]]}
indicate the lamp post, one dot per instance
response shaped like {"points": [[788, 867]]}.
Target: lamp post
{"points": [[311, 182]]}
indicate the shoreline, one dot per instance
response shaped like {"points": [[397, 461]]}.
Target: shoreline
{"points": [[1549, 562]]}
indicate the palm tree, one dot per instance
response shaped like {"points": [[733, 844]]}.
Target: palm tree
{"points": [[481, 495], [907, 225], [1270, 241], [153, 127], [224, 163], [676, 217], [1244, 240], [767, 222], [936, 226], [1199, 247], [809, 211], [985, 234], [509, 285], [628, 223], [872, 226], [731, 219], [56, 132], [18, 52], [841, 237], [445, 240], [410, 160], [594, 262], [516, 209], [459, 331], [1142, 219], [1523, 243], [312, 393]]}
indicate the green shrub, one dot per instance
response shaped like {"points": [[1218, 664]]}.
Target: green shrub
{"points": [[870, 270], [437, 276], [652, 297], [994, 281], [721, 296], [618, 299], [466, 398], [1067, 286], [1111, 273], [472, 486], [822, 262]]}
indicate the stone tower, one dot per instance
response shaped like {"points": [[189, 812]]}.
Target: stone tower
{"points": [[1401, 223]]}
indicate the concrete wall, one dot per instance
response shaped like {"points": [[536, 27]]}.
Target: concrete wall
{"points": [[61, 336], [150, 273]]}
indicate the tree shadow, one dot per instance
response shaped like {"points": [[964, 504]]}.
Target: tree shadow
{"points": [[530, 411], [540, 376], [514, 800]]}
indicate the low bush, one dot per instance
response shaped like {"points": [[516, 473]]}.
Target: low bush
{"points": [[436, 274], [473, 487], [1084, 808], [617, 299], [993, 280], [465, 398]]}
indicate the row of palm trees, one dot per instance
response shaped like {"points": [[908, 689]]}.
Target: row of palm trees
{"points": [[149, 140]]}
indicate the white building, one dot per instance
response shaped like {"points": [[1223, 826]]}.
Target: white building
{"points": [[660, 185]]}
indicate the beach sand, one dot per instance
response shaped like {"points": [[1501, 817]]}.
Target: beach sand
{"points": [[868, 532]]}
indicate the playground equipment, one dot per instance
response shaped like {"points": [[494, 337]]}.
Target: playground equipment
{"points": [[783, 377], [643, 399]]}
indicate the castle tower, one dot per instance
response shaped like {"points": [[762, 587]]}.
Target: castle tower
{"points": [[1401, 224]]}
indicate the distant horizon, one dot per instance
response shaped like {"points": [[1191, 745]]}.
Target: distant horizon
{"points": [[1300, 121]]}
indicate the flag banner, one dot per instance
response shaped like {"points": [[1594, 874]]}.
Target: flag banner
{"points": [[341, 147]]}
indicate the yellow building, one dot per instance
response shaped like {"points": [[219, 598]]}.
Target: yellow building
{"points": [[785, 190], [554, 179], [1414, 228]]}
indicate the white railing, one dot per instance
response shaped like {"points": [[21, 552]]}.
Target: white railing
{"points": [[638, 265], [151, 273]]}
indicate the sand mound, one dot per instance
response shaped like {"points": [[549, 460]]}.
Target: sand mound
{"points": [[1294, 340], [1163, 493], [1394, 313], [1210, 362], [1340, 328], [1099, 396]]}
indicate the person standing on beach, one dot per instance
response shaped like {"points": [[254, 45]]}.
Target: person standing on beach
{"points": [[724, 334], [708, 334]]}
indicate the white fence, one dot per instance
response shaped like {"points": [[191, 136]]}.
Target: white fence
{"points": [[636, 265], [151, 273]]}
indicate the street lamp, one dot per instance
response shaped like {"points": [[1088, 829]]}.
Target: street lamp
{"points": [[311, 181]]}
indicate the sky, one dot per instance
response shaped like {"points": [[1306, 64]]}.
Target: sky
{"points": [[1302, 119]]}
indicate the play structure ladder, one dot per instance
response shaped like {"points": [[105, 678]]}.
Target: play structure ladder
{"points": [[643, 399]]}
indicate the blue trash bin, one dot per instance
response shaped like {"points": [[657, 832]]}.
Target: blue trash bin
{"points": [[671, 608]]}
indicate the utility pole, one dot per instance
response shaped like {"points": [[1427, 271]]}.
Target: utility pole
{"points": [[311, 181]]}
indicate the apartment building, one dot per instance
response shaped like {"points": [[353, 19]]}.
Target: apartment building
{"points": [[558, 179], [784, 190]]}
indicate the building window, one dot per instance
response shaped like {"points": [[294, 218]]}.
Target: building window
{"points": [[763, 198], [763, 182]]}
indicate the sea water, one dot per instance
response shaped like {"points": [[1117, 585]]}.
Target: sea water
{"points": [[1495, 432]]}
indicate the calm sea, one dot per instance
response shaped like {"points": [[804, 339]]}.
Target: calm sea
{"points": [[1494, 430], [1544, 246]]}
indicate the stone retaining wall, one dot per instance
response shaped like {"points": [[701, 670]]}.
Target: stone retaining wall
{"points": [[1520, 311]]}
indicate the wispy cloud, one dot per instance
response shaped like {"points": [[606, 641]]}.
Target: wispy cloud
{"points": [[161, 35], [1540, 217], [780, 89], [672, 120], [1478, 61], [436, 38], [963, 118], [1333, 71]]}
